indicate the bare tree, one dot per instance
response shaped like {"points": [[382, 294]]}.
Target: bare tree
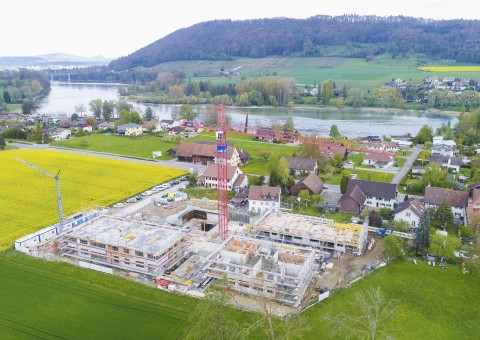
{"points": [[374, 311], [80, 109]]}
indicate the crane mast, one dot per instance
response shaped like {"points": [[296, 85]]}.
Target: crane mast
{"points": [[222, 165], [57, 182]]}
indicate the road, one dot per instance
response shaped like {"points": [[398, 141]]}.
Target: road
{"points": [[407, 166], [170, 163]]}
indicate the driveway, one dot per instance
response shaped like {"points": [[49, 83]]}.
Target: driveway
{"points": [[407, 166]]}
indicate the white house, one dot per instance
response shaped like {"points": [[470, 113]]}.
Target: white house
{"points": [[130, 129], [458, 200], [236, 178], [378, 160], [167, 124], [410, 211], [263, 198], [382, 146], [60, 134], [106, 125], [377, 194], [444, 150], [447, 162]]}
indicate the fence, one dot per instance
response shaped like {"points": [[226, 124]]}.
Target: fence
{"points": [[396, 233]]}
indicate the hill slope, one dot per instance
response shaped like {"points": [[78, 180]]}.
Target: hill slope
{"points": [[361, 36]]}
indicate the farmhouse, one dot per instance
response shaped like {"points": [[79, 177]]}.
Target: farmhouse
{"points": [[204, 153]]}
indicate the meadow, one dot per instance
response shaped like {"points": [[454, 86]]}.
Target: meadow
{"points": [[56, 300], [141, 147], [29, 197]]}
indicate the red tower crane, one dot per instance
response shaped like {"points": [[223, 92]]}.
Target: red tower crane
{"points": [[222, 165]]}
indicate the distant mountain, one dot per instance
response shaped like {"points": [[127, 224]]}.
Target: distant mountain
{"points": [[351, 35], [53, 60]]}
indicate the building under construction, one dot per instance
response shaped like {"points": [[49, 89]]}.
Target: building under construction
{"points": [[312, 232], [130, 245], [264, 269]]}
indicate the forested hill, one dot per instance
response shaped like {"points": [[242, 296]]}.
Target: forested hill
{"points": [[355, 36]]}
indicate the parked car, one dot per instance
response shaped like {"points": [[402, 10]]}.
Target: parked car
{"points": [[118, 205], [131, 200], [325, 187], [147, 193], [138, 198], [175, 182]]}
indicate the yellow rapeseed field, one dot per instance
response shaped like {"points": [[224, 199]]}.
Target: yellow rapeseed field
{"points": [[450, 68], [28, 197]]}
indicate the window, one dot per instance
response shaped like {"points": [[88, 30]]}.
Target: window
{"points": [[413, 223], [99, 245], [83, 242], [73, 239], [138, 253], [150, 256], [114, 248], [408, 214], [125, 250]]}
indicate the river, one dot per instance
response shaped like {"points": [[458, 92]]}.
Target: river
{"points": [[351, 122]]}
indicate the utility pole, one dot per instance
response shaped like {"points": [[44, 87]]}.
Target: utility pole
{"points": [[57, 182]]}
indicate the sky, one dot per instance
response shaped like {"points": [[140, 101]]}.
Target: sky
{"points": [[115, 28]]}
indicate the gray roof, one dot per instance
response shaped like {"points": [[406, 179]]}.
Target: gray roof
{"points": [[436, 196], [128, 126], [414, 204], [374, 189], [301, 164]]}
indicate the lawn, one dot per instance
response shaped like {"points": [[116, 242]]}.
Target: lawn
{"points": [[142, 146], [376, 176], [400, 161], [29, 197], [433, 303]]}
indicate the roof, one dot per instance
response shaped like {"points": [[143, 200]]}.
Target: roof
{"points": [[149, 123], [456, 161], [436, 196], [439, 159], [264, 193], [167, 121], [312, 182], [354, 193], [187, 149], [128, 126], [474, 186], [301, 164], [374, 189], [473, 209], [239, 180], [414, 204], [379, 157], [212, 171], [336, 151]]}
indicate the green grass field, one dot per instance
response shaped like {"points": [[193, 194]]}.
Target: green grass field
{"points": [[49, 300], [363, 175], [141, 147]]}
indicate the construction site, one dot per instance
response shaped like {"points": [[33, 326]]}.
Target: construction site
{"points": [[187, 245]]}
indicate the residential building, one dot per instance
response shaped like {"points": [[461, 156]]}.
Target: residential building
{"points": [[130, 129], [235, 176], [106, 125], [134, 245], [377, 194], [378, 160], [447, 162], [382, 146], [458, 200], [473, 210], [60, 133], [167, 124], [204, 153], [151, 126], [263, 198], [410, 210], [329, 151], [300, 166], [352, 201], [86, 126], [312, 183], [444, 150]]}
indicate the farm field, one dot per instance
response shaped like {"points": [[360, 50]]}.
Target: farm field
{"points": [[29, 197], [354, 72], [141, 147]]}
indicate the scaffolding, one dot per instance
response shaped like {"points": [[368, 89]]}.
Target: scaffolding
{"points": [[313, 232], [131, 245], [264, 269]]}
